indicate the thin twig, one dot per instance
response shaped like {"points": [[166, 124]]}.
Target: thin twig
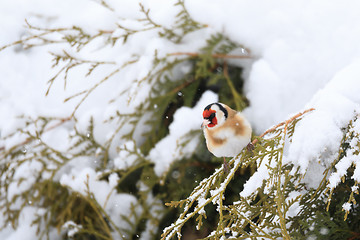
{"points": [[62, 121], [183, 85], [93, 88], [282, 123]]}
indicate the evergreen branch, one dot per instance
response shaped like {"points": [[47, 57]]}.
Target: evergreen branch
{"points": [[259, 228], [89, 91], [32, 138], [61, 121], [117, 130], [51, 81], [221, 217], [36, 36], [216, 195], [214, 55], [105, 4], [280, 199], [79, 39], [72, 62], [75, 95], [98, 209], [157, 74], [147, 18], [182, 86], [262, 214], [22, 41], [239, 102], [95, 233], [124, 176]]}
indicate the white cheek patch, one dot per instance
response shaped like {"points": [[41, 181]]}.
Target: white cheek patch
{"points": [[215, 107], [219, 115], [220, 119]]}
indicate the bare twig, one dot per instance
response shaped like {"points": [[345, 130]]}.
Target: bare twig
{"points": [[61, 121], [183, 85], [282, 123]]}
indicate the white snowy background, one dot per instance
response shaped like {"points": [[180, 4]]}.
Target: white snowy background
{"points": [[305, 54]]}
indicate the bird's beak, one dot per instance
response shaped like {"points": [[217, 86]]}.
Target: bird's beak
{"points": [[205, 123]]}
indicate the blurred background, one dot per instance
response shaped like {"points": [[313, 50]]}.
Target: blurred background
{"points": [[101, 102]]}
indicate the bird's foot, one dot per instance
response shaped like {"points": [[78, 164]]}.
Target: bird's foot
{"points": [[250, 147], [226, 166]]}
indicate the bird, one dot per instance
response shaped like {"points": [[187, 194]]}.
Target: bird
{"points": [[226, 131]]}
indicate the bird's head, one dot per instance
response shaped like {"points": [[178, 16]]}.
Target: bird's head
{"points": [[214, 115]]}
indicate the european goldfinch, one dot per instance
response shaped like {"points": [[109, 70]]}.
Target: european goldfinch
{"points": [[226, 131]]}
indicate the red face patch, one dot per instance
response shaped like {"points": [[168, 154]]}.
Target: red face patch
{"points": [[207, 115], [213, 122]]}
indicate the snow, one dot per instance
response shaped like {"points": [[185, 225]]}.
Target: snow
{"points": [[71, 227], [346, 207], [305, 55], [85, 182], [341, 168], [301, 46], [256, 180], [356, 175], [324, 231], [27, 231], [185, 120], [324, 125], [24, 177]]}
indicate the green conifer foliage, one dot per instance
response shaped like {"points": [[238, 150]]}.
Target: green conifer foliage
{"points": [[267, 213], [194, 190]]}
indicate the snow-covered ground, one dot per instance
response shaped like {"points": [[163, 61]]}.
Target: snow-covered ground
{"points": [[306, 54]]}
